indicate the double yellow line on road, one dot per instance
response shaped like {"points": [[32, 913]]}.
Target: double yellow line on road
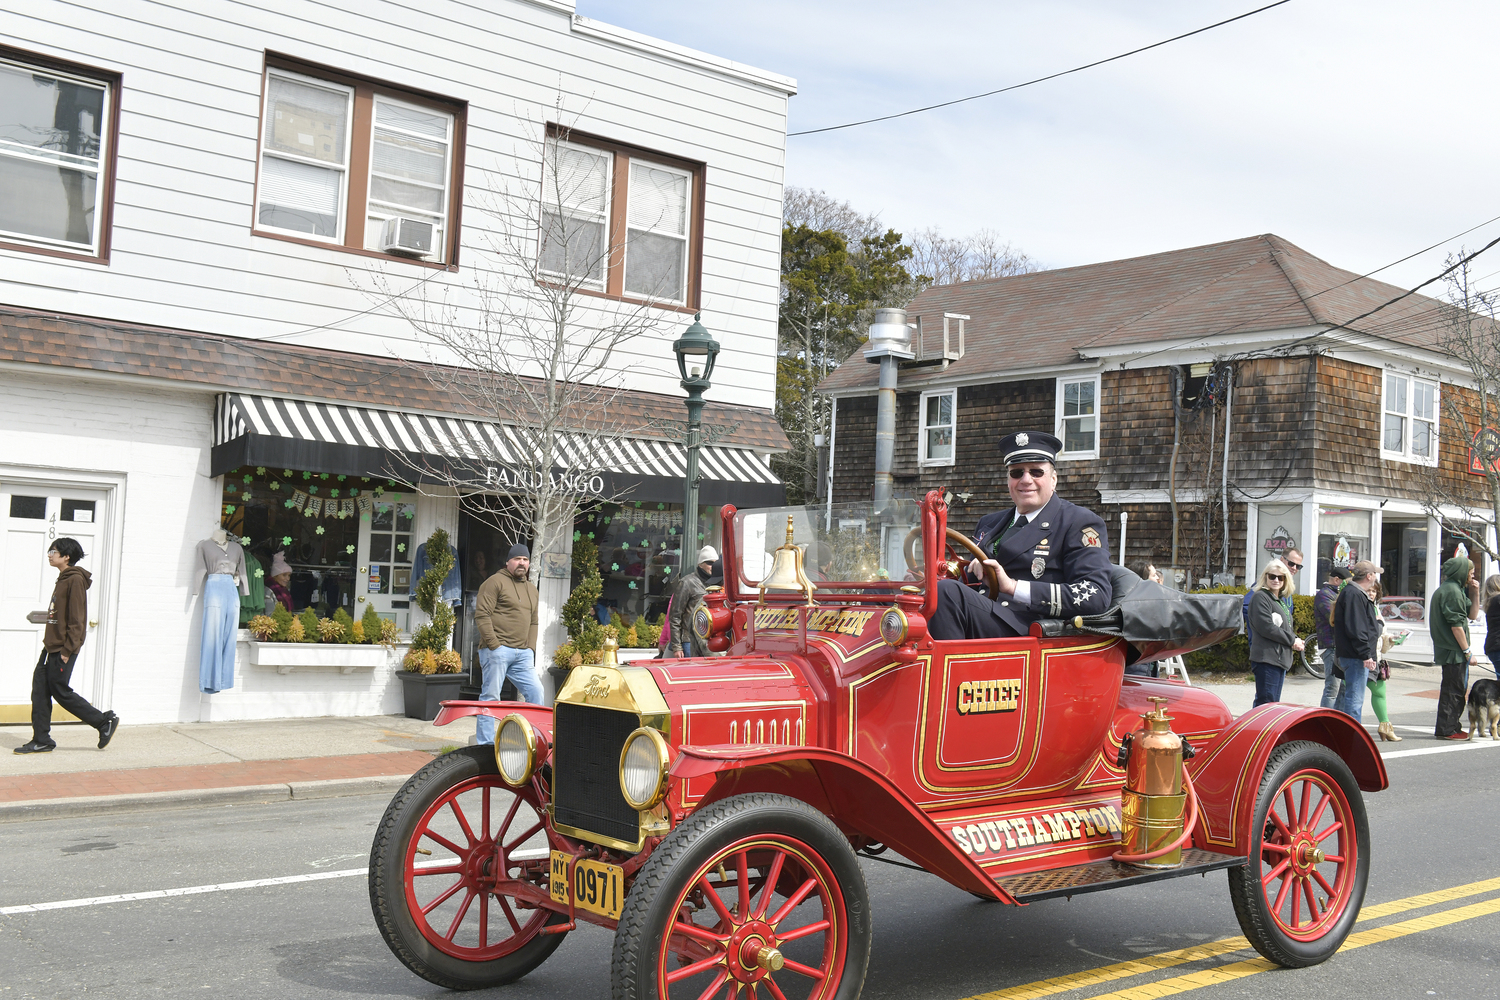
{"points": [[1238, 970]]}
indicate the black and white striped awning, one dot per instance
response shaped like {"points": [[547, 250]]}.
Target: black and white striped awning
{"points": [[353, 440]]}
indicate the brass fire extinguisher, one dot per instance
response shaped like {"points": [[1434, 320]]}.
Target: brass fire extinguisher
{"points": [[1153, 799]]}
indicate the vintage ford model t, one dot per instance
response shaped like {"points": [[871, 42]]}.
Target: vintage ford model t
{"points": [[714, 811]]}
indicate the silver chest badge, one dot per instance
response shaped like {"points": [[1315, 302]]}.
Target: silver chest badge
{"points": [[1038, 567]]}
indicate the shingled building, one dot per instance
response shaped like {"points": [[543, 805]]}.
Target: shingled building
{"points": [[1278, 400]]}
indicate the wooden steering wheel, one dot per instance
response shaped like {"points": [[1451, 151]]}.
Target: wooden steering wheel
{"points": [[952, 566]]}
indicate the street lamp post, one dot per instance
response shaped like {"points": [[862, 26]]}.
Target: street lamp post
{"points": [[696, 350]]}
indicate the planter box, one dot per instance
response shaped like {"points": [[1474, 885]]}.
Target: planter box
{"points": [[422, 692], [289, 656]]}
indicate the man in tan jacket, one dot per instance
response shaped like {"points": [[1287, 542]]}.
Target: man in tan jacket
{"points": [[505, 614]]}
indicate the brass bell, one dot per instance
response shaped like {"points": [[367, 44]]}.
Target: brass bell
{"points": [[786, 569]]}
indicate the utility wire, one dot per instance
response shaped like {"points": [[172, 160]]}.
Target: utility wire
{"points": [[1043, 79]]}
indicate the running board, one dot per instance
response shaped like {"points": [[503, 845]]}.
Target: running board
{"points": [[1107, 874]]}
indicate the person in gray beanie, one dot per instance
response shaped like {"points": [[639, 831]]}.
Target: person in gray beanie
{"points": [[685, 601], [505, 612]]}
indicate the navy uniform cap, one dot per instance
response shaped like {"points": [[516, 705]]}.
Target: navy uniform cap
{"points": [[1030, 446]]}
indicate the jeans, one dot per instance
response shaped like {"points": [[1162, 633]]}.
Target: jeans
{"points": [[1268, 680], [1332, 683], [1352, 701], [495, 666], [221, 617]]}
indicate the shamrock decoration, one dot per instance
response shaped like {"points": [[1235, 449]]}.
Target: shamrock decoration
{"points": [[259, 573], [333, 493], [614, 567], [286, 539], [323, 476], [577, 535], [401, 548], [312, 489], [342, 478], [230, 487], [606, 520], [244, 539], [638, 505], [349, 549], [645, 544], [591, 536], [364, 479], [245, 497], [700, 536], [631, 529], [379, 490], [319, 529], [632, 584], [410, 514], [666, 570], [260, 470], [307, 513], [663, 544], [391, 483], [671, 531], [229, 508], [275, 486], [287, 473], [249, 479], [661, 506], [591, 518]]}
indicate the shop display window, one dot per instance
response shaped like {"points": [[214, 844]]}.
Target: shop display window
{"points": [[640, 553], [347, 539]]}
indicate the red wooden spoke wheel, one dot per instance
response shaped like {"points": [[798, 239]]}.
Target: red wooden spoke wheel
{"points": [[453, 841], [757, 896], [1301, 890]]}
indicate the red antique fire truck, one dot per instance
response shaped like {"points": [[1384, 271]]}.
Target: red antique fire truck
{"points": [[714, 812]]}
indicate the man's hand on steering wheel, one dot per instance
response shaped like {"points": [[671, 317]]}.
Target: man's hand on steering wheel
{"points": [[977, 569]]}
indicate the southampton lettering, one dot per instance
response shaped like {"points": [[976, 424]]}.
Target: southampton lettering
{"points": [[998, 836], [978, 697], [832, 620]]}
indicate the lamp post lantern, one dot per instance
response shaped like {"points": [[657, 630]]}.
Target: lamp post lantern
{"points": [[696, 350]]}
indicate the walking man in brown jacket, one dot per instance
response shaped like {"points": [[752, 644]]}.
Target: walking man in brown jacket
{"points": [[67, 624], [505, 614]]}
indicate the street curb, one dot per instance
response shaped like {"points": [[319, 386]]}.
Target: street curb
{"points": [[99, 805]]}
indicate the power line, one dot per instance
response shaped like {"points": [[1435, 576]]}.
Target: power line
{"points": [[1043, 79]]}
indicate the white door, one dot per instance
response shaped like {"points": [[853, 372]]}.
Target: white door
{"points": [[386, 550], [30, 519]]}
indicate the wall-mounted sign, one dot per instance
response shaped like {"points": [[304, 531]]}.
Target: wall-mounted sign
{"points": [[507, 477], [1484, 450], [1279, 542]]}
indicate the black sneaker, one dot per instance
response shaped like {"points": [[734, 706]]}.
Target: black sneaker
{"points": [[35, 747], [107, 729]]}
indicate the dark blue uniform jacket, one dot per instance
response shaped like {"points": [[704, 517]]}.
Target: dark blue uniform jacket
{"points": [[1063, 551]]}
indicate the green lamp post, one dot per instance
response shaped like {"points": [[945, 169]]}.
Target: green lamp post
{"points": [[696, 351]]}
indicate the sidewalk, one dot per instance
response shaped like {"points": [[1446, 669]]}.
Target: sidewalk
{"points": [[208, 763], [193, 764]]}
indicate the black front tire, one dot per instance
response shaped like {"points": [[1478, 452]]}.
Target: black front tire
{"points": [[708, 899], [1309, 838], [467, 782]]}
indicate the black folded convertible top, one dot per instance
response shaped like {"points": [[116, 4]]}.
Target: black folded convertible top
{"points": [[1157, 622]]}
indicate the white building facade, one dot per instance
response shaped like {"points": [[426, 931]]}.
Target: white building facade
{"points": [[208, 212]]}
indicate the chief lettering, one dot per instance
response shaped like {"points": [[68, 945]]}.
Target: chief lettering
{"points": [[978, 697]]}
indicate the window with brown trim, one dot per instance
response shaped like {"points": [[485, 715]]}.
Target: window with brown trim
{"points": [[58, 124], [359, 165], [621, 221]]}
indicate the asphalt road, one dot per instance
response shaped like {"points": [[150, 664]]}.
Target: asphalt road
{"points": [[1435, 829]]}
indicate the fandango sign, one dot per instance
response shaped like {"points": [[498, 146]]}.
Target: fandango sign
{"points": [[506, 477]]}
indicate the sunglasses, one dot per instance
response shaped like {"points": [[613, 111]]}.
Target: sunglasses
{"points": [[1294, 567], [1274, 576], [1033, 473]]}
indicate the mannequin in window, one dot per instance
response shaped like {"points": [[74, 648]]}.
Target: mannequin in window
{"points": [[219, 575], [281, 580]]}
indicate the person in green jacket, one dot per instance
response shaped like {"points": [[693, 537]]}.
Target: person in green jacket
{"points": [[1448, 621]]}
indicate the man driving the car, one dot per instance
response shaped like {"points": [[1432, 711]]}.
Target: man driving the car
{"points": [[1050, 557]]}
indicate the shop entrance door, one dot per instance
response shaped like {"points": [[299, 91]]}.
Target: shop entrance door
{"points": [[30, 519], [386, 550]]}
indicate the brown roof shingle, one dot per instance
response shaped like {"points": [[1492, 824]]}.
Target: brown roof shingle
{"points": [[1046, 319], [219, 363]]}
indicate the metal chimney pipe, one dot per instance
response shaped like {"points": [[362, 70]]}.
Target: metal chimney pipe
{"points": [[890, 342]]}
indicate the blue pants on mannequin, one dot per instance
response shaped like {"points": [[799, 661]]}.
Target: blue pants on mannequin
{"points": [[221, 619]]}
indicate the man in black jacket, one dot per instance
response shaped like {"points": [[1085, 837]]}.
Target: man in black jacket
{"points": [[1356, 636]]}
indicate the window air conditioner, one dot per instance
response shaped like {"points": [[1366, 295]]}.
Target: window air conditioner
{"points": [[406, 237]]}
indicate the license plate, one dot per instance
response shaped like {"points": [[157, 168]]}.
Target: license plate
{"points": [[597, 887]]}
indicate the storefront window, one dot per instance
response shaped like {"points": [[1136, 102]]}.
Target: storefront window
{"points": [[1280, 530], [347, 539], [1343, 538], [1403, 557], [640, 553]]}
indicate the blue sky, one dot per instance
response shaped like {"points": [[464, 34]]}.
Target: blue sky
{"points": [[1361, 130]]}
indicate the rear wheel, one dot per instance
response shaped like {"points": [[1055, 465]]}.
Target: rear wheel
{"points": [[451, 842], [1301, 890], [758, 896]]}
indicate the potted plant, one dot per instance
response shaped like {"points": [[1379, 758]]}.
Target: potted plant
{"points": [[430, 670]]}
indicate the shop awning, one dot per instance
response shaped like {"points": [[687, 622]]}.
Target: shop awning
{"points": [[359, 441]]}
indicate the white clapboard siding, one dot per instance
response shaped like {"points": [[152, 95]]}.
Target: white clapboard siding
{"points": [[182, 254]]}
